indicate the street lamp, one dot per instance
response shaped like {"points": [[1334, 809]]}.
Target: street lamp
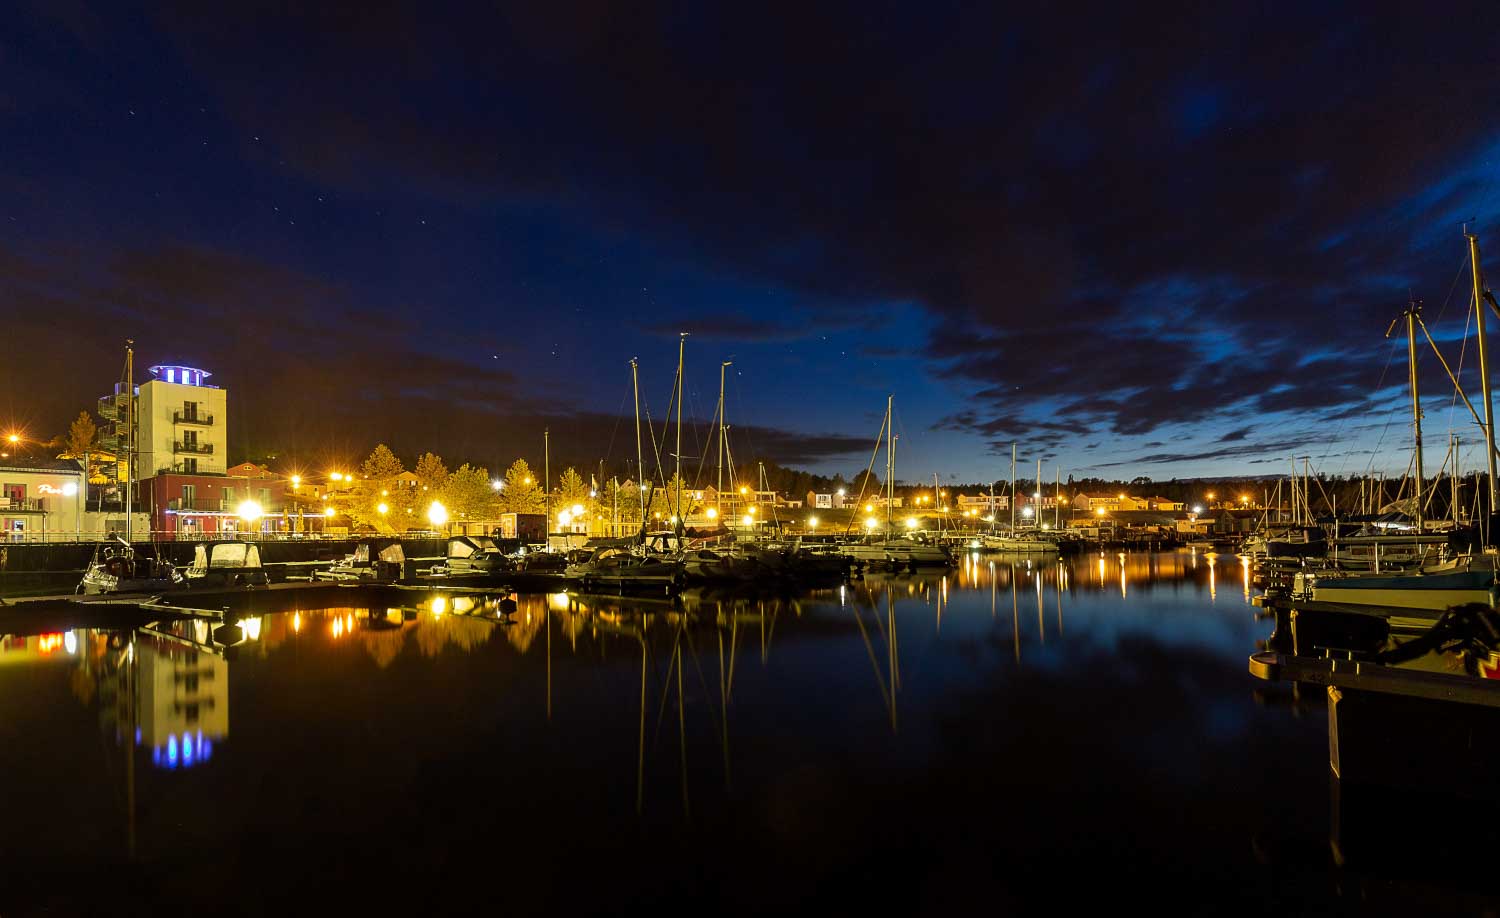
{"points": [[812, 522], [382, 509], [497, 484], [437, 514]]}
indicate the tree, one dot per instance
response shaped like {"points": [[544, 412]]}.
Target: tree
{"points": [[382, 465], [431, 472], [372, 491], [468, 494], [522, 494], [81, 435], [571, 489]]}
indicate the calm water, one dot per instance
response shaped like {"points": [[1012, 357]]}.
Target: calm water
{"points": [[1021, 737]]}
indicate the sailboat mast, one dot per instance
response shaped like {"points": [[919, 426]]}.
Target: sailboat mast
{"points": [[681, 342], [1412, 310], [722, 367], [1012, 489], [1484, 364], [640, 486], [547, 477], [1057, 499], [890, 458], [934, 499], [1037, 499], [129, 432]]}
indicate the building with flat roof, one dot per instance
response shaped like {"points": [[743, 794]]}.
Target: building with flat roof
{"points": [[40, 498], [181, 424]]}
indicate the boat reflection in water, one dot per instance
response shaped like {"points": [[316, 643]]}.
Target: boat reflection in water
{"points": [[839, 733]]}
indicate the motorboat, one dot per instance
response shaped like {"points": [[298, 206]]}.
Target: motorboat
{"points": [[1026, 543], [225, 564], [373, 561], [475, 555], [117, 568], [618, 568], [903, 552]]}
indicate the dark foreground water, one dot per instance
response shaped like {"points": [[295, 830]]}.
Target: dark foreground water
{"points": [[1016, 738]]}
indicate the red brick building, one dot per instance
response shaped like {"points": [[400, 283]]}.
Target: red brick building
{"points": [[207, 505]]}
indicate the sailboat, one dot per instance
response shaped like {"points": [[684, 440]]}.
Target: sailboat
{"points": [[1466, 578], [903, 552], [1025, 542]]}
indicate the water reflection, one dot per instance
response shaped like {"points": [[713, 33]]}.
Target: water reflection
{"points": [[683, 711]]}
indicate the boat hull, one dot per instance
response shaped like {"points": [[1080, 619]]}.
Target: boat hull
{"points": [[1409, 591]]}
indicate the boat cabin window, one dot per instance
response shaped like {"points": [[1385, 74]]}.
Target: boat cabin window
{"points": [[226, 554]]}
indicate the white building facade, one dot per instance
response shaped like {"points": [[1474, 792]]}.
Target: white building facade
{"points": [[40, 499], [181, 424]]}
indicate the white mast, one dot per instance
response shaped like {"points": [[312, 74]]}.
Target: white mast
{"points": [[720, 486], [1484, 364], [681, 341], [890, 459], [1412, 309], [1013, 489], [129, 432], [635, 384]]}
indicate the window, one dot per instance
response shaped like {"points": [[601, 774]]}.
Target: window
{"points": [[229, 497], [189, 494], [265, 497], [190, 466], [190, 411]]}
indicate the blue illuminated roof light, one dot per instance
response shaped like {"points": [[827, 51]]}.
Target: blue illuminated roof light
{"points": [[183, 376]]}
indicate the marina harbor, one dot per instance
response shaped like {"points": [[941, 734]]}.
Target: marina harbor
{"points": [[933, 459]]}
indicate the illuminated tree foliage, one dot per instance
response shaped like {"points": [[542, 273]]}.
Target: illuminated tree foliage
{"points": [[468, 494], [522, 493], [431, 472]]}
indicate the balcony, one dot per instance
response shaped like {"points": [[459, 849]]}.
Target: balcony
{"points": [[182, 417], [21, 505], [193, 447], [198, 505]]}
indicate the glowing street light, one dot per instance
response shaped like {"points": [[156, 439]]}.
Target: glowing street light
{"points": [[911, 522], [564, 518], [382, 509], [249, 511], [744, 490], [335, 476], [869, 508], [870, 523], [812, 522], [70, 488], [841, 492], [747, 520], [296, 482], [712, 513], [527, 481], [328, 512], [437, 514], [577, 509], [13, 439], [1099, 512], [497, 484], [1027, 512]]}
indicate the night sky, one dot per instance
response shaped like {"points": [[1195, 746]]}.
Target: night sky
{"points": [[1166, 244]]}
